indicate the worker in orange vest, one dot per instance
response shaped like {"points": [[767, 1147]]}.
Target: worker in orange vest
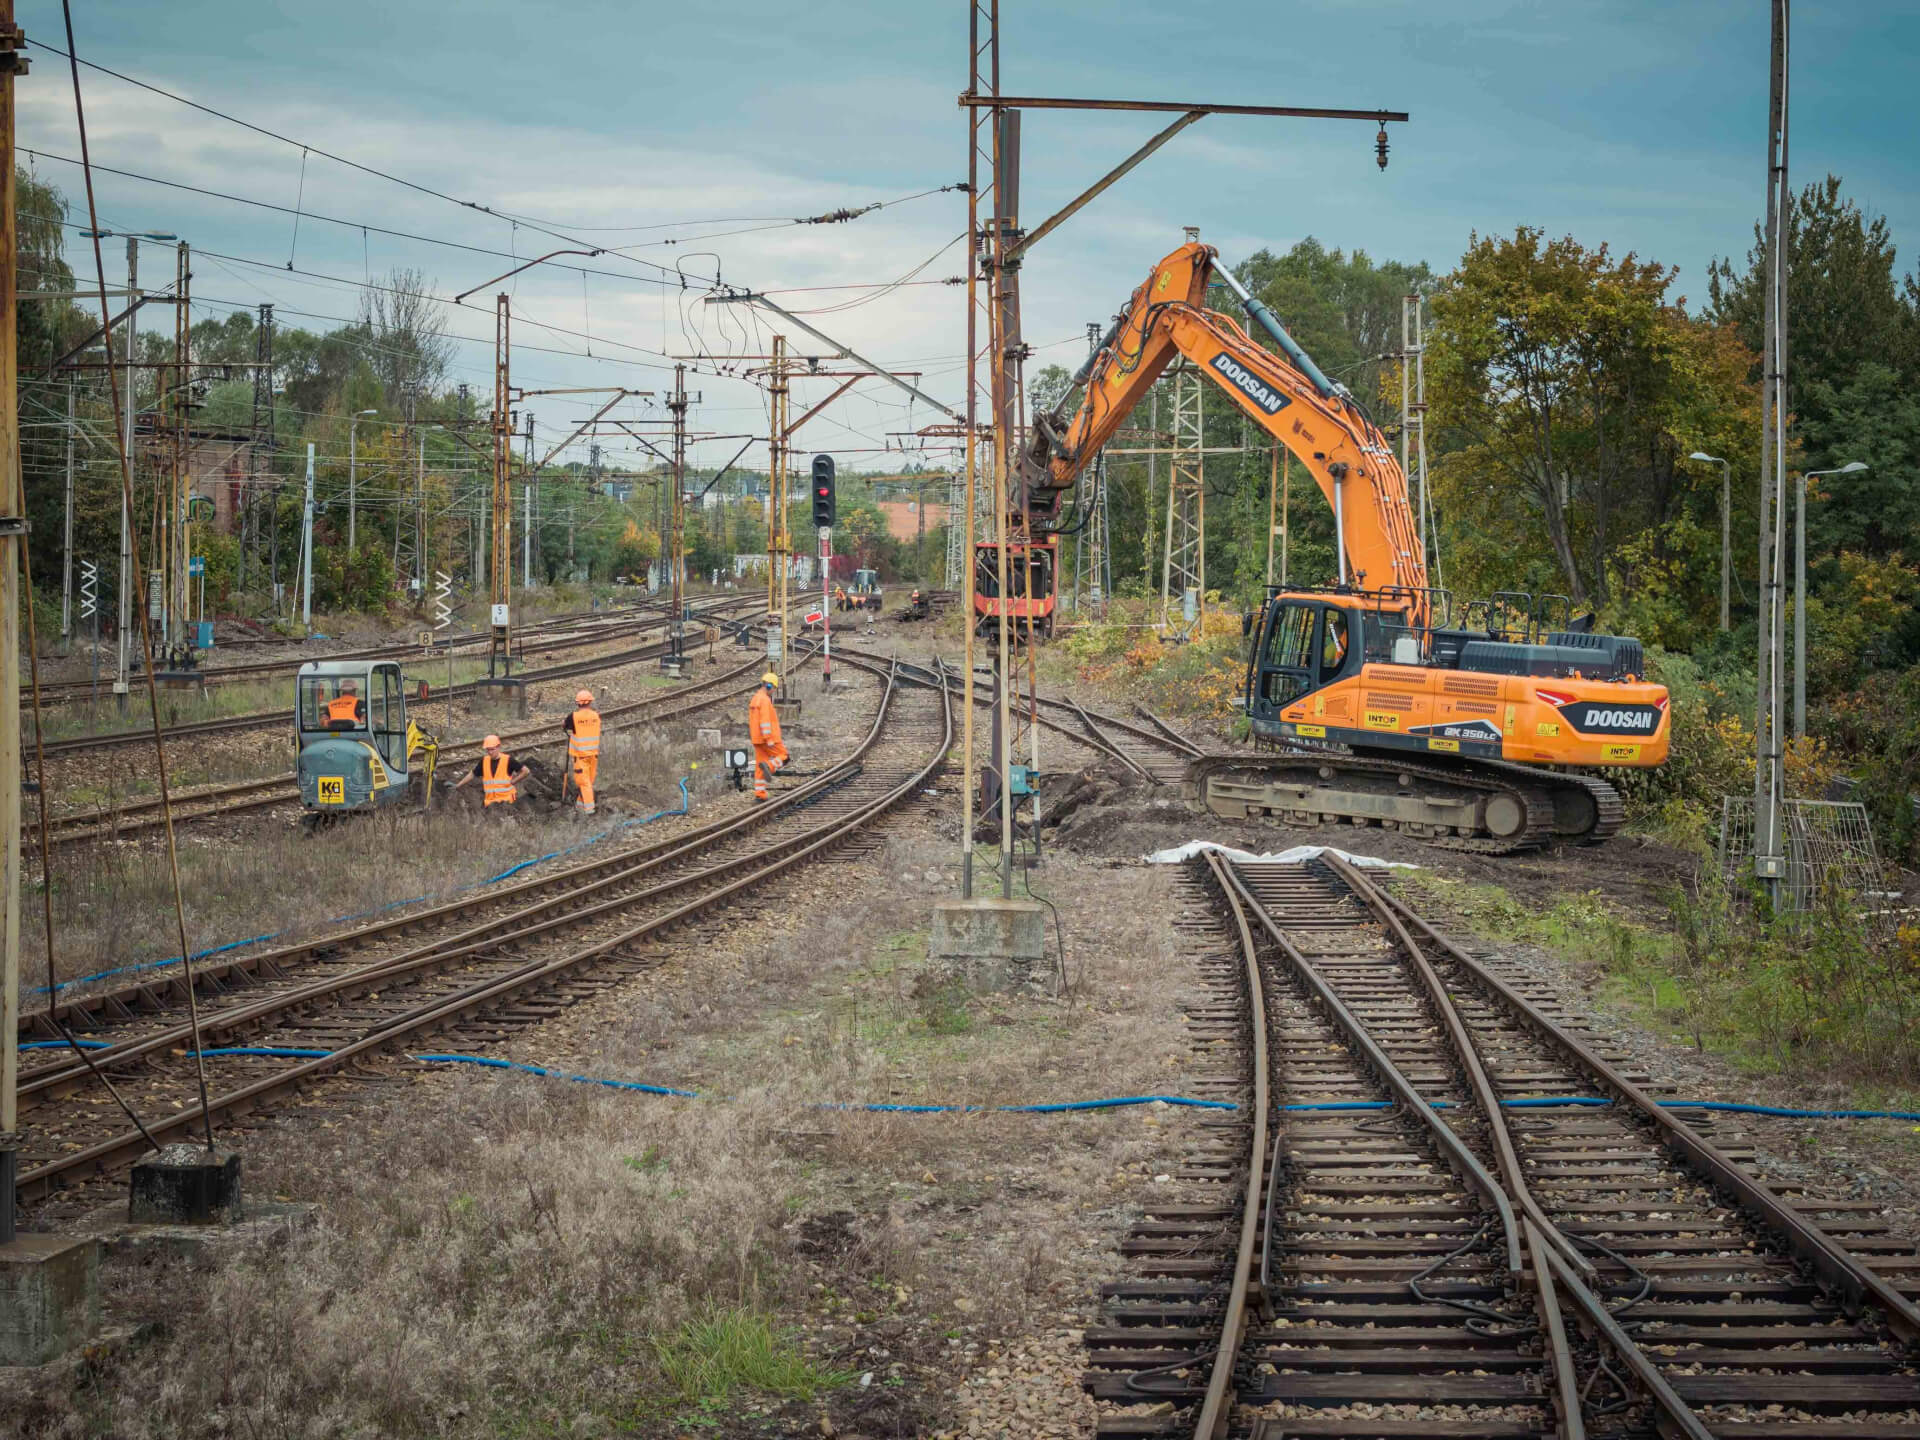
{"points": [[346, 709], [583, 749], [763, 725], [498, 773]]}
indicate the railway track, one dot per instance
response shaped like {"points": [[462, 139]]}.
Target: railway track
{"points": [[71, 691], [263, 719], [486, 967], [245, 796], [1341, 1257], [1146, 745]]}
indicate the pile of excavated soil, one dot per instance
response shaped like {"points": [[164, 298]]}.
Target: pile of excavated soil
{"points": [[1108, 812]]}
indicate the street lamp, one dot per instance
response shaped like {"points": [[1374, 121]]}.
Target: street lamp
{"points": [[353, 468], [1726, 535], [1852, 467]]}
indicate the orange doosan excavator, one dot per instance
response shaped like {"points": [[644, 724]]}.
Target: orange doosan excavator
{"points": [[1373, 701]]}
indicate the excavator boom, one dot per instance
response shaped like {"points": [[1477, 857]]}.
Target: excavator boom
{"points": [[1288, 397]]}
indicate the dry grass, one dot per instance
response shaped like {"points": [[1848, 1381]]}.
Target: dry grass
{"points": [[511, 1256], [547, 1260], [113, 903]]}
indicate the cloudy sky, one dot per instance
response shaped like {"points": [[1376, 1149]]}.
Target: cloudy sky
{"points": [[685, 138]]}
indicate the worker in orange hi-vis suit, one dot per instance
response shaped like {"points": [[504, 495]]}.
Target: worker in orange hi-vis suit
{"points": [[347, 708], [583, 749], [763, 725]]}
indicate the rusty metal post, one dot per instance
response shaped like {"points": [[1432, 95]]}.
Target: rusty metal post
{"points": [[499, 652], [779, 537], [13, 538]]}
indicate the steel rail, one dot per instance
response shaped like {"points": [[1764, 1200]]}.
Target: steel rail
{"points": [[40, 1181], [1218, 1402], [551, 633], [1460, 1158], [261, 719], [1506, 1155], [1549, 1275], [593, 875], [141, 815], [1173, 736], [1839, 1270], [142, 997]]}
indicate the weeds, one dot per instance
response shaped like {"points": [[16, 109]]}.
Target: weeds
{"points": [[1823, 994], [720, 1352]]}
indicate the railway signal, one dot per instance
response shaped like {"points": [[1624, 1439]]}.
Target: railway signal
{"points": [[823, 520], [823, 492]]}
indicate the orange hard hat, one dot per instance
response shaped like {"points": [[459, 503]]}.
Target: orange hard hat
{"points": [[492, 742], [585, 697]]}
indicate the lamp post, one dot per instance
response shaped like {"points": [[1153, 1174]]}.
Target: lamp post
{"points": [[353, 472], [1726, 535], [1852, 467]]}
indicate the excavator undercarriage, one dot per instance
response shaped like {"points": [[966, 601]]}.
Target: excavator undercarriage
{"points": [[1490, 806]]}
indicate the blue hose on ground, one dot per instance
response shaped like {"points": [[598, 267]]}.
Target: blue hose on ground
{"points": [[685, 807], [1051, 1107]]}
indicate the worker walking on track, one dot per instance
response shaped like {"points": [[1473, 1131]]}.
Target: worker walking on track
{"points": [[763, 724], [499, 775], [583, 749]]}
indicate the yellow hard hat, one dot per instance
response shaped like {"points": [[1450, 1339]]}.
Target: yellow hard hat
{"points": [[769, 678], [585, 697], [492, 742]]}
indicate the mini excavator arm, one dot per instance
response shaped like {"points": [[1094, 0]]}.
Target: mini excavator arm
{"points": [[1286, 396]]}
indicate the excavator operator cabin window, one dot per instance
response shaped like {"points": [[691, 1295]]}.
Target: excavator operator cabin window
{"points": [[1288, 665], [1333, 644]]}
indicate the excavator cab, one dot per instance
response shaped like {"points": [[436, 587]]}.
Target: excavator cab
{"points": [[350, 718], [1306, 642]]}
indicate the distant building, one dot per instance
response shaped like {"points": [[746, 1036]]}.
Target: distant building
{"points": [[904, 520]]}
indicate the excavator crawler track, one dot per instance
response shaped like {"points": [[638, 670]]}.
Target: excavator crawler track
{"points": [[1488, 807]]}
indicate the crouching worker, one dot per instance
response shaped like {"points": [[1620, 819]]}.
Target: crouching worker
{"points": [[763, 724], [499, 775]]}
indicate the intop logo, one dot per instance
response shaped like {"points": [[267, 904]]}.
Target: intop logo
{"points": [[1251, 385]]}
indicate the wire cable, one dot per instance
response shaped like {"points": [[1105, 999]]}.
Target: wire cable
{"points": [[139, 586]]}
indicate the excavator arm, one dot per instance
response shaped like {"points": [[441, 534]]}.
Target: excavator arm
{"points": [[1286, 395]]}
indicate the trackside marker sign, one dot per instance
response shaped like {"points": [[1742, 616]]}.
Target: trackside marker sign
{"points": [[1250, 385]]}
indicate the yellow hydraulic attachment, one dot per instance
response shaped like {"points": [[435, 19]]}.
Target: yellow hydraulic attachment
{"points": [[424, 747]]}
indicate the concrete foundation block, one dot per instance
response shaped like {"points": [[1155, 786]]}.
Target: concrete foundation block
{"points": [[122, 1239], [992, 944], [49, 1297], [185, 1185]]}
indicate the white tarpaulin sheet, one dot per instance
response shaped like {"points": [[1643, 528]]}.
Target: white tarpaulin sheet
{"points": [[1283, 857]]}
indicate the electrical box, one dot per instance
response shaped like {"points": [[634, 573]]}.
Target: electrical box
{"points": [[1770, 867], [1021, 779], [503, 614]]}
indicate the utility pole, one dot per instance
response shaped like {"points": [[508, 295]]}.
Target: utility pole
{"points": [[779, 539], [13, 537], [306, 549], [526, 510], [181, 504], [124, 638], [1769, 776], [677, 552], [66, 546], [262, 442], [498, 652]]}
